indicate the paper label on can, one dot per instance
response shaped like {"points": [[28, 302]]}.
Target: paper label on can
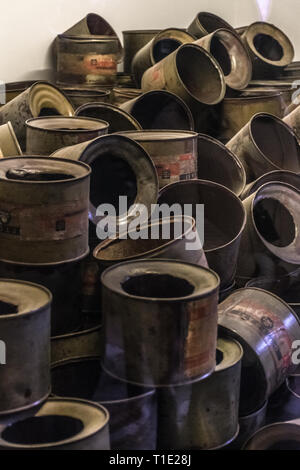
{"points": [[272, 331], [173, 168], [157, 78], [100, 64]]}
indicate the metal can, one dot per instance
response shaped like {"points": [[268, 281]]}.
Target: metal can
{"points": [[266, 327], [132, 409], [122, 95], [279, 436], [87, 341], [206, 23], [47, 134], [147, 298], [204, 415], [118, 119], [25, 334], [43, 210], [174, 153], [160, 109], [9, 145], [293, 179], [133, 41], [248, 426], [80, 96], [61, 424]]}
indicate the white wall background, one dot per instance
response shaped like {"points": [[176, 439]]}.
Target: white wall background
{"points": [[28, 27]]}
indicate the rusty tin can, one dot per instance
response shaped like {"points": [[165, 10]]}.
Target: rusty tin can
{"points": [[45, 135], [43, 210], [147, 298], [266, 327], [25, 334]]}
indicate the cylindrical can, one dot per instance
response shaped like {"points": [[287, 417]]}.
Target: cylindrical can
{"points": [[237, 112], [293, 179], [132, 409], [160, 109], [25, 348], [266, 327], [224, 293], [293, 120], [248, 426], [174, 153], [286, 95], [218, 164], [66, 296], [206, 23], [270, 49], [177, 72], [61, 424], [284, 403], [118, 119], [120, 168], [46, 134], [209, 418], [163, 44], [43, 210], [14, 89], [147, 298], [84, 342], [80, 96], [9, 145], [133, 41], [221, 240], [270, 242], [87, 60], [121, 95], [124, 79], [228, 49], [279, 436], [41, 99], [265, 144]]}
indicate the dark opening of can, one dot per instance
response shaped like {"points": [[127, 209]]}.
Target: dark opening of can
{"points": [[29, 174], [7, 309], [48, 112], [98, 25], [42, 430], [268, 47], [112, 177], [158, 286], [288, 444], [219, 51], [276, 142], [274, 222], [164, 47], [219, 356]]}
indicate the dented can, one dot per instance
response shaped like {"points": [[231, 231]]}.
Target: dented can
{"points": [[147, 298], [43, 210]]}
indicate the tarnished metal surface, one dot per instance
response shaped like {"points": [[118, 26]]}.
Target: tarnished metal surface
{"points": [[41, 99], [221, 239], [160, 109], [218, 164], [237, 112], [163, 44], [87, 60], [43, 210], [284, 405], [146, 299], [85, 342], [132, 409], [61, 424], [25, 330], [66, 296], [9, 145], [289, 177], [206, 23], [265, 144], [293, 120], [209, 417], [80, 96], [266, 327], [228, 49], [133, 41], [174, 153], [270, 49], [45, 135], [118, 119], [270, 243], [120, 167], [280, 436], [14, 89], [177, 72], [122, 95], [248, 426]]}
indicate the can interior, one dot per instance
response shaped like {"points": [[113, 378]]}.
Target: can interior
{"points": [[274, 222], [7, 308], [285, 444], [112, 177], [164, 47], [42, 430], [211, 22], [98, 26], [268, 47], [219, 51], [159, 286], [44, 112], [276, 142]]}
